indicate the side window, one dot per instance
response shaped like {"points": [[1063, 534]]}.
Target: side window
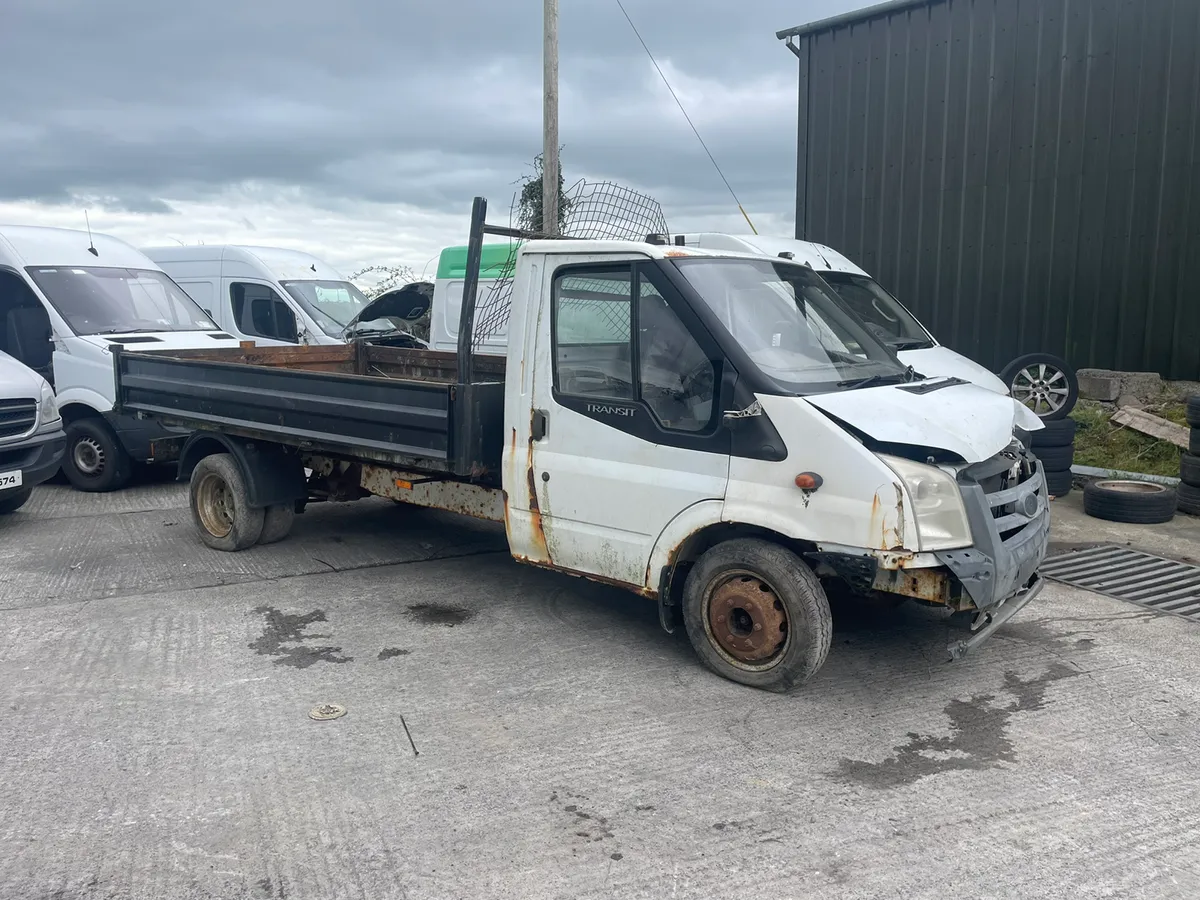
{"points": [[599, 355], [259, 311], [677, 377], [201, 292], [592, 335]]}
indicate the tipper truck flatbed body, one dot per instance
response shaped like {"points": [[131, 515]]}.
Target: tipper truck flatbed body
{"points": [[712, 430]]}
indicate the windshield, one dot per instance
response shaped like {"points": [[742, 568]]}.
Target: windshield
{"points": [[880, 311], [791, 324], [333, 305], [118, 301]]}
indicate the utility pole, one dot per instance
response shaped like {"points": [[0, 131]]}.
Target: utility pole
{"points": [[550, 119]]}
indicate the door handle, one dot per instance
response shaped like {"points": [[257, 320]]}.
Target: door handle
{"points": [[539, 425]]}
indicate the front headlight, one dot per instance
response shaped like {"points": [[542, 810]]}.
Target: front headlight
{"points": [[48, 406], [940, 515]]}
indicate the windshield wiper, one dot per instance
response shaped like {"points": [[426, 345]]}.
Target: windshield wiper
{"points": [[909, 344], [906, 376]]}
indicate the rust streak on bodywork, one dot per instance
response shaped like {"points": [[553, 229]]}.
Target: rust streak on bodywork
{"points": [[931, 585], [893, 537], [639, 589]]}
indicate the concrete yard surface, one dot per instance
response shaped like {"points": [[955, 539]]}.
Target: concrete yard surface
{"points": [[511, 732]]}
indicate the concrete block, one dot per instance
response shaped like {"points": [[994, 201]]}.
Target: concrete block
{"points": [[1099, 384]]}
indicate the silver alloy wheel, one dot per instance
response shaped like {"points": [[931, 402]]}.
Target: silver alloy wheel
{"points": [[1041, 387]]}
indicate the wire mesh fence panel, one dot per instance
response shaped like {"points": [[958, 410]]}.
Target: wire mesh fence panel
{"points": [[602, 210]]}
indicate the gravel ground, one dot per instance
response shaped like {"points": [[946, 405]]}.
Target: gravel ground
{"points": [[515, 733]]}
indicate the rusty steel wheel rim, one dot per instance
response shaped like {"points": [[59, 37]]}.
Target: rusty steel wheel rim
{"points": [[214, 503], [746, 621]]}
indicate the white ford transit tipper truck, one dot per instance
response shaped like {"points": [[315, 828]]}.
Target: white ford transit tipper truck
{"points": [[713, 431]]}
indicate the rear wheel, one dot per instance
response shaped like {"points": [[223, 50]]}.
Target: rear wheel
{"points": [[94, 460], [221, 506], [277, 523], [757, 615], [11, 501]]}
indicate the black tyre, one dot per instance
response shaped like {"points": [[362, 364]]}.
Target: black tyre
{"points": [[277, 523], [1135, 502], [1057, 433], [11, 501], [221, 507], [1044, 383], [1194, 442], [1059, 484], [757, 615], [1056, 459], [94, 460], [1189, 469], [1193, 410], [1189, 499]]}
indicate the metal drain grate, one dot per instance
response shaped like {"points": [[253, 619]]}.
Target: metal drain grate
{"points": [[1151, 581]]}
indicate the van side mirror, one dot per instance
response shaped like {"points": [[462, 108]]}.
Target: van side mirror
{"points": [[732, 417]]}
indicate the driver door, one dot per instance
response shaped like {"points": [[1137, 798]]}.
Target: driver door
{"points": [[627, 430]]}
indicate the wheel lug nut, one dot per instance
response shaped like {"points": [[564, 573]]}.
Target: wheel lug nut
{"points": [[720, 618], [757, 626]]}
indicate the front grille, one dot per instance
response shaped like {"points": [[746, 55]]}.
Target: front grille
{"points": [[17, 417], [1013, 489]]}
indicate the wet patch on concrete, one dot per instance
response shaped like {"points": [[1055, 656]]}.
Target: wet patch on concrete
{"points": [[392, 653], [978, 737], [280, 629], [438, 614], [589, 826]]}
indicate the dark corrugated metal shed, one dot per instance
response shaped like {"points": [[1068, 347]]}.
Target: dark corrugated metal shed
{"points": [[1022, 173]]}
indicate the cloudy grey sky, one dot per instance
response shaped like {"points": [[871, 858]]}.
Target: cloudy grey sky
{"points": [[360, 131]]}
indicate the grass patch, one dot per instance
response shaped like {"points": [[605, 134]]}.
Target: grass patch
{"points": [[1101, 444]]}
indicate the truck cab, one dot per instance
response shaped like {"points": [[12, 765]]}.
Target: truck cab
{"points": [[716, 431], [31, 433], [274, 296], [66, 299]]}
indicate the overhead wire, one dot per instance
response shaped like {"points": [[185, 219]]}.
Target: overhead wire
{"points": [[692, 125]]}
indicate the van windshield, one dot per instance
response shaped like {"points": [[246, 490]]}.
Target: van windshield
{"points": [[333, 305], [883, 314], [791, 324], [102, 300]]}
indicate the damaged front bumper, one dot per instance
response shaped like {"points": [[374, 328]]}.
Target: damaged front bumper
{"points": [[989, 620], [1009, 514]]}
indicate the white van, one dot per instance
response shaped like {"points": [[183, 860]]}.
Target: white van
{"points": [[884, 314], [66, 298], [31, 433], [275, 296]]}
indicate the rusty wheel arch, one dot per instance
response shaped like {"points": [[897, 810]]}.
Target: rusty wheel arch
{"points": [[695, 545]]}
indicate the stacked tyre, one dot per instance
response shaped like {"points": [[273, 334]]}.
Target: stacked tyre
{"points": [[1189, 463], [1054, 446]]}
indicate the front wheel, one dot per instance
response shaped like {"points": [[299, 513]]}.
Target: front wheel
{"points": [[11, 501], [757, 615], [94, 460], [221, 505]]}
